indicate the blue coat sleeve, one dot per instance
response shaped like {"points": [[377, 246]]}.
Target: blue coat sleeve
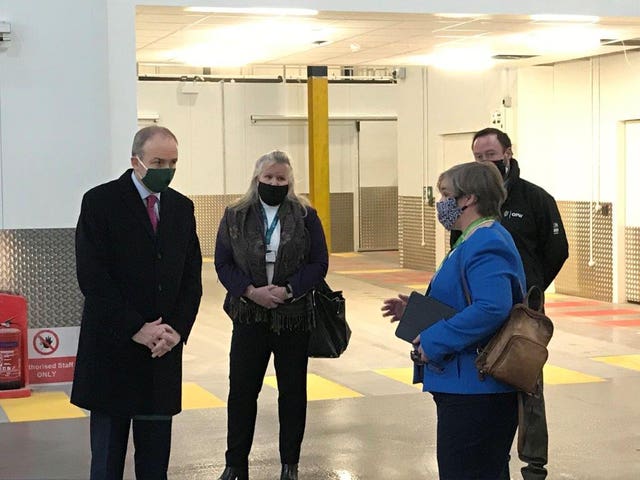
{"points": [[493, 276]]}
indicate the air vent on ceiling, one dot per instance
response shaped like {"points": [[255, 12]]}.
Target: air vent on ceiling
{"points": [[510, 56], [630, 42]]}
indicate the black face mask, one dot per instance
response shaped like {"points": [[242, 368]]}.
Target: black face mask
{"points": [[272, 194], [501, 167]]}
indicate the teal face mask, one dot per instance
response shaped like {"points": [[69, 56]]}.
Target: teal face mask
{"points": [[157, 179]]}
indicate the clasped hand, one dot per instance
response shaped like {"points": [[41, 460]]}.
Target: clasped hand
{"points": [[159, 337], [269, 296]]}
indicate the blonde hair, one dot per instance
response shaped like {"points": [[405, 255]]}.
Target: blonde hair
{"points": [[265, 161]]}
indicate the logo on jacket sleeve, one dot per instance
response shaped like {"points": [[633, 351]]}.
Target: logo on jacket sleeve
{"points": [[510, 214]]}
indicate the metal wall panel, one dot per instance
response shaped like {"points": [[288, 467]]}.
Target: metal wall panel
{"points": [[412, 253], [577, 277], [342, 222], [209, 210], [632, 257], [40, 265], [378, 218]]}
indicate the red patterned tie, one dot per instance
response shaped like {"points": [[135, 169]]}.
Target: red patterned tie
{"points": [[151, 211]]}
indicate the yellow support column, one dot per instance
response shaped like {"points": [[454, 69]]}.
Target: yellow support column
{"points": [[318, 110]]}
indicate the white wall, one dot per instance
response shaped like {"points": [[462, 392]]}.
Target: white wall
{"points": [[54, 110], [533, 138], [68, 98], [568, 118], [208, 165], [461, 102]]}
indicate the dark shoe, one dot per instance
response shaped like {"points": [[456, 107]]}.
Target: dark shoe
{"points": [[289, 472], [233, 473]]}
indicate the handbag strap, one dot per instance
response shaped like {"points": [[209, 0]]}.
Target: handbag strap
{"points": [[534, 299]]}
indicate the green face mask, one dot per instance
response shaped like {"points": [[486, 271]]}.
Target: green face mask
{"points": [[157, 179]]}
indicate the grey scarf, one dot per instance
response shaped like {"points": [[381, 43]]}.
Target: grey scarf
{"points": [[246, 237]]}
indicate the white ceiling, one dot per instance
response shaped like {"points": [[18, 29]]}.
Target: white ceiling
{"points": [[172, 35]]}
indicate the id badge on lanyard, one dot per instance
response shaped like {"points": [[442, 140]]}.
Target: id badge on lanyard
{"points": [[270, 256]]}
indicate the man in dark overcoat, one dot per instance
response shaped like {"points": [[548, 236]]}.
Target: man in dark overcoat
{"points": [[139, 269]]}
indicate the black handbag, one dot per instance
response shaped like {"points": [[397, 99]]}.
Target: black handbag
{"points": [[330, 332]]}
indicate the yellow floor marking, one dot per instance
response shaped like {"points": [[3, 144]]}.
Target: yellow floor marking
{"points": [[420, 287], [404, 375], [381, 270], [347, 255], [561, 376], [632, 362], [194, 396], [319, 388], [40, 406]]}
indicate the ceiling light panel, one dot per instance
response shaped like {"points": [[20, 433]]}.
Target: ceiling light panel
{"points": [[287, 12], [565, 18], [249, 42]]}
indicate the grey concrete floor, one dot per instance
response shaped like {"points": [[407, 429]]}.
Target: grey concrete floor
{"points": [[388, 432]]}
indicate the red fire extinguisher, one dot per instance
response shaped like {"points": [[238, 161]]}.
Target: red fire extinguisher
{"points": [[10, 357]]}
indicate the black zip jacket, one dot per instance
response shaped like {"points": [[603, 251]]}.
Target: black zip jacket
{"points": [[531, 215]]}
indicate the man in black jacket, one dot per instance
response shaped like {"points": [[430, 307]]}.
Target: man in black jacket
{"points": [[139, 268], [531, 215]]}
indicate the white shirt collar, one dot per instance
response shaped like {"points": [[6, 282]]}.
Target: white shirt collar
{"points": [[142, 190]]}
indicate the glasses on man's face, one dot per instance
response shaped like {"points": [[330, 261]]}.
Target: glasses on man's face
{"points": [[489, 156]]}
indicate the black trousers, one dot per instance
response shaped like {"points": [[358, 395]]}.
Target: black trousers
{"points": [[474, 435], [251, 348], [109, 438], [533, 436]]}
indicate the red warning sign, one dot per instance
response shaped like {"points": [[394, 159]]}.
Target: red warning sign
{"points": [[46, 342]]}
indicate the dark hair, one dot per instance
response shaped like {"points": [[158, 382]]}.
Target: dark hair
{"points": [[144, 134], [502, 137], [481, 179]]}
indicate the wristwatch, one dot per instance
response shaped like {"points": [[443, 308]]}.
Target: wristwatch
{"points": [[289, 290]]}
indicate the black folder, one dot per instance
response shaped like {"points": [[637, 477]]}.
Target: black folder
{"points": [[420, 313]]}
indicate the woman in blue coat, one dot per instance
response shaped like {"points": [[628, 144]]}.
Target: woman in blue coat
{"points": [[477, 418]]}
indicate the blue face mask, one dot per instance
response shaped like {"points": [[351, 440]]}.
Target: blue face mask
{"points": [[449, 212]]}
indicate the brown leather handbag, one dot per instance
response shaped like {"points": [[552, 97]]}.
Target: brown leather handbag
{"points": [[516, 354]]}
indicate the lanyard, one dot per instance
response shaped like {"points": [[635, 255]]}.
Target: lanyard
{"points": [[270, 228], [465, 234], [470, 229]]}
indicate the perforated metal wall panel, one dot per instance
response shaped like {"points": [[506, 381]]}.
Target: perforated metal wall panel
{"points": [[632, 257], [209, 210], [341, 222], [577, 277], [40, 265], [412, 253], [378, 218]]}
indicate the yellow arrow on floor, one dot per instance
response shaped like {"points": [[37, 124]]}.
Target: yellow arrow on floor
{"points": [[319, 388], [194, 397], [631, 362], [403, 375], [563, 376], [40, 406]]}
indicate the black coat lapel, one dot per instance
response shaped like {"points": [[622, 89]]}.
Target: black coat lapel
{"points": [[132, 200]]}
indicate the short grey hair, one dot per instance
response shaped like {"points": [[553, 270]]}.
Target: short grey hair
{"points": [[481, 179], [145, 134]]}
